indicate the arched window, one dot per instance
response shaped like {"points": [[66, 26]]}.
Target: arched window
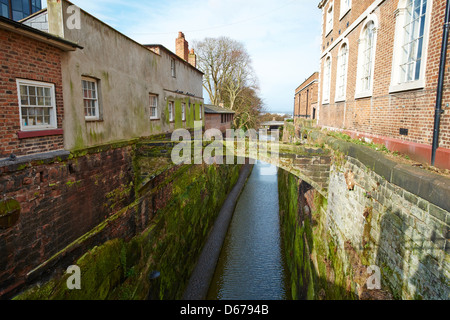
{"points": [[326, 80], [410, 45], [366, 59], [341, 78]]}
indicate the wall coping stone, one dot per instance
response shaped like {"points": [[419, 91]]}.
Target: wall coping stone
{"points": [[424, 184]]}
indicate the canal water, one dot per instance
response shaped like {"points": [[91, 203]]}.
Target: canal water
{"points": [[251, 264]]}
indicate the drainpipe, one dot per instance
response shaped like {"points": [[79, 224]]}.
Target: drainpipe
{"points": [[438, 110]]}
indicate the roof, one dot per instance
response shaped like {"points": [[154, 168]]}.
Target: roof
{"points": [[209, 108], [20, 28], [148, 46]]}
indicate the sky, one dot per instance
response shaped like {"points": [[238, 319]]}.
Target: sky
{"points": [[281, 36]]}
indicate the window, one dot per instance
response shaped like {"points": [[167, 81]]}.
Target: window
{"points": [[366, 60], [153, 106], [4, 8], [410, 47], [201, 112], [329, 21], [37, 105], [346, 5], [326, 80], [341, 78], [183, 111], [173, 68], [90, 99], [171, 112]]}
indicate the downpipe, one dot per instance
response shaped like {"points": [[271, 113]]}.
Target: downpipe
{"points": [[438, 110]]}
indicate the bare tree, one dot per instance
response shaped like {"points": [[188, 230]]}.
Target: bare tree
{"points": [[229, 78]]}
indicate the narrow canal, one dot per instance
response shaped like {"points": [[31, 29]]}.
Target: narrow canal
{"points": [[251, 264]]}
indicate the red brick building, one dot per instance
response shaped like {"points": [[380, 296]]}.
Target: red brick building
{"points": [[306, 98], [31, 100], [218, 118], [379, 73]]}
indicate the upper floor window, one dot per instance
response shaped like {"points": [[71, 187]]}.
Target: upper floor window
{"points": [[346, 5], [90, 98], [326, 80], [153, 106], [37, 105], [341, 79], [173, 68], [410, 46], [329, 19], [366, 60]]}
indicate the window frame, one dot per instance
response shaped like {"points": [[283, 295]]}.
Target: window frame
{"points": [[344, 9], [97, 99], [173, 68], [53, 112], [326, 94], [183, 111], [397, 84], [171, 105], [153, 106], [366, 92], [339, 76]]}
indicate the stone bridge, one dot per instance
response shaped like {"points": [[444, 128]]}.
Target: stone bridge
{"points": [[310, 164]]}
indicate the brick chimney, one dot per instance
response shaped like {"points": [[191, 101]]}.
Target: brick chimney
{"points": [[192, 58], [182, 47]]}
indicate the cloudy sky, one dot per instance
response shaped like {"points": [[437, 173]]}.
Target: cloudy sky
{"points": [[282, 36]]}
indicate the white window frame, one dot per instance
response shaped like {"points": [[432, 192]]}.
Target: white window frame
{"points": [[342, 69], [171, 111], [96, 100], [153, 106], [183, 111], [53, 119], [329, 16], [173, 68], [346, 6], [327, 70], [397, 83], [361, 92]]}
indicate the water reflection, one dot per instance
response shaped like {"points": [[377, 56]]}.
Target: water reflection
{"points": [[251, 265]]}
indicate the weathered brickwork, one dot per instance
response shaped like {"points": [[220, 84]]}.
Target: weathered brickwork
{"points": [[385, 112], [28, 59]]}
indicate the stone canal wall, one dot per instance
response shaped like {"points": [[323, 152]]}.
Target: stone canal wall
{"points": [[378, 216], [112, 212]]}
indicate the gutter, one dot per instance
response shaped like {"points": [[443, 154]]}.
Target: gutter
{"points": [[438, 110]]}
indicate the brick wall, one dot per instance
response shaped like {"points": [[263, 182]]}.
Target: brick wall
{"points": [[385, 113], [306, 97], [60, 201], [25, 58]]}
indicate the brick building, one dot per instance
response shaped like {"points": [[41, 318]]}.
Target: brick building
{"points": [[379, 73], [306, 98], [218, 118], [31, 97]]}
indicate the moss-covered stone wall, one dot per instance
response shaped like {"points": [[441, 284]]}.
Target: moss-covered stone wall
{"points": [[317, 269]]}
